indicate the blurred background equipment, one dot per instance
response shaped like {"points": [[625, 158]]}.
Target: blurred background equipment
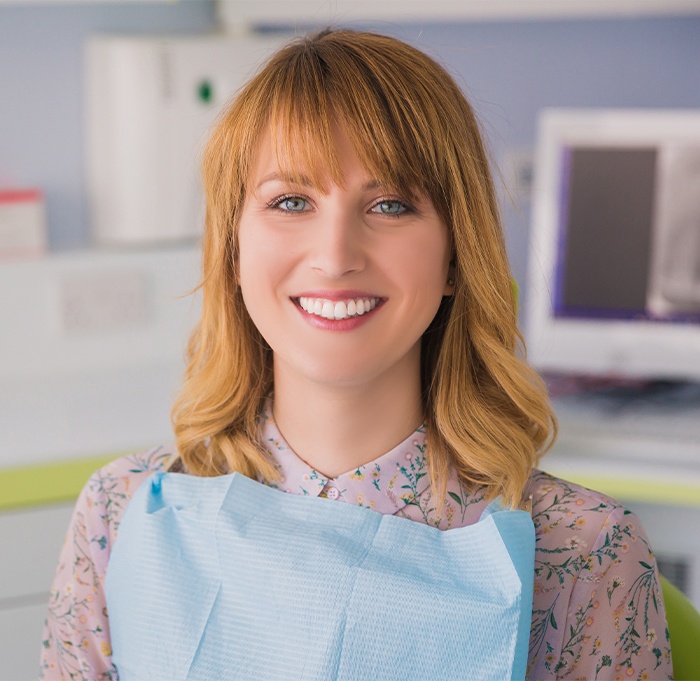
{"points": [[614, 270], [150, 104], [613, 312]]}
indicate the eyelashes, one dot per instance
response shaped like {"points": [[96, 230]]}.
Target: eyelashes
{"points": [[293, 201], [401, 208]]}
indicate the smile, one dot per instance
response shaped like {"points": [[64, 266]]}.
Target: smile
{"points": [[338, 309]]}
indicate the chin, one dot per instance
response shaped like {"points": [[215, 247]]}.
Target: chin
{"points": [[348, 369]]}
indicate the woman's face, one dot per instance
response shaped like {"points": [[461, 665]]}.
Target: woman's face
{"points": [[340, 284]]}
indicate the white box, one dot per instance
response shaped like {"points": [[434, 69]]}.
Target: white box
{"points": [[150, 105], [22, 223]]}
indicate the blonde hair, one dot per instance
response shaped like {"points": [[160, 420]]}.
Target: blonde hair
{"points": [[486, 411]]}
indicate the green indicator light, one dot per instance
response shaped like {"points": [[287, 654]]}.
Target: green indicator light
{"points": [[205, 91]]}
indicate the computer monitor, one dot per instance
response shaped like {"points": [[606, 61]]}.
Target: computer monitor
{"points": [[614, 266]]}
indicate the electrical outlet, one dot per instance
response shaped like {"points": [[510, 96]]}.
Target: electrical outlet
{"points": [[94, 302]]}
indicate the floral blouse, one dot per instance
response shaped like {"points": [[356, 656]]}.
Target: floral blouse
{"points": [[597, 614]]}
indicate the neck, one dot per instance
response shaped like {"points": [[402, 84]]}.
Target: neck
{"points": [[337, 429]]}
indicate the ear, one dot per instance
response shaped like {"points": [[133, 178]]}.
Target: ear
{"points": [[450, 283]]}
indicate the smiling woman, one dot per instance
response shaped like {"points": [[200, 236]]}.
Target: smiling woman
{"points": [[358, 350], [390, 116]]}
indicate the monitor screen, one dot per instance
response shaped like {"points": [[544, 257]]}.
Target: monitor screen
{"points": [[614, 276]]}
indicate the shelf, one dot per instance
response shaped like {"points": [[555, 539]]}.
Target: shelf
{"points": [[641, 447], [316, 12], [629, 481]]}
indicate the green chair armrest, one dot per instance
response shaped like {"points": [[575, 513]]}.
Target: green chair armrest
{"points": [[684, 629]]}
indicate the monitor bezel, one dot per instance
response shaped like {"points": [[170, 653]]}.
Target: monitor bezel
{"points": [[637, 348]]}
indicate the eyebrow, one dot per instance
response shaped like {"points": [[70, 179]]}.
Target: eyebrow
{"points": [[305, 181]]}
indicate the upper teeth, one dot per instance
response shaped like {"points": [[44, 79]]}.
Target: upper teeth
{"points": [[341, 309]]}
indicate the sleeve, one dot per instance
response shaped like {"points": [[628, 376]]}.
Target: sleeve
{"points": [[76, 643], [616, 623]]}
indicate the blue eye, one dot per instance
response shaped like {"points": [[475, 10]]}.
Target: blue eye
{"points": [[390, 207], [290, 204]]}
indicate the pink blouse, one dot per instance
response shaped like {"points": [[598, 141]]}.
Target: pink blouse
{"points": [[597, 614]]}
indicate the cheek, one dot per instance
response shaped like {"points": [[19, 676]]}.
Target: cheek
{"points": [[252, 266], [426, 261], [255, 251], [264, 264], [263, 249], [251, 247]]}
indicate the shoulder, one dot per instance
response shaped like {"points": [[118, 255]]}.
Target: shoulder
{"points": [[132, 467], [545, 488], [582, 536], [108, 491], [580, 533], [560, 506]]}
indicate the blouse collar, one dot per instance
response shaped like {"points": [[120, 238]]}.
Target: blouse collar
{"points": [[387, 484]]}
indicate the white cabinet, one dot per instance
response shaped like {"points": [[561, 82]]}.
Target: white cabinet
{"points": [[30, 542], [91, 352], [20, 641]]}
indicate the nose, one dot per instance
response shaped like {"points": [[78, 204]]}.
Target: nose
{"points": [[337, 249]]}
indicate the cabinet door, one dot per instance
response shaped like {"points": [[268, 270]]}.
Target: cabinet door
{"points": [[20, 641], [30, 541]]}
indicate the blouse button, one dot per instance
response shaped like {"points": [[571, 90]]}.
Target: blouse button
{"points": [[332, 493]]}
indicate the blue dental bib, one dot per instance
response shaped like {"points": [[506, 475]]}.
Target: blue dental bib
{"points": [[226, 578]]}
